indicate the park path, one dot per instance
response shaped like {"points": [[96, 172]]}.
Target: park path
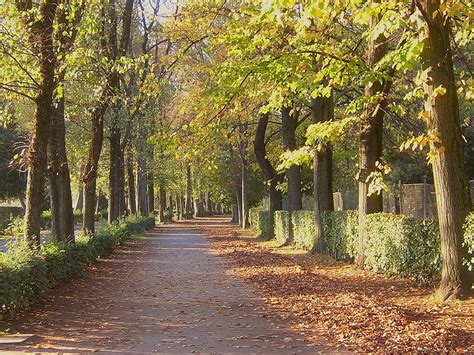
{"points": [[163, 292]]}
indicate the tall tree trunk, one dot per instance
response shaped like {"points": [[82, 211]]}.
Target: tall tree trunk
{"points": [[89, 177], [62, 217], [288, 131], [270, 174], [236, 181], [151, 181], [235, 214], [122, 201], [142, 187], [189, 192], [370, 139], [54, 184], [132, 199], [452, 191], [79, 204], [114, 175], [41, 36], [151, 192], [171, 206], [116, 50], [178, 207], [244, 176], [322, 111], [162, 203], [295, 197], [182, 204]]}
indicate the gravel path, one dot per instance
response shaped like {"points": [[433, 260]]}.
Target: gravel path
{"points": [[165, 292]]}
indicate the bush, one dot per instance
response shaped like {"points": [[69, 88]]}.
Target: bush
{"points": [[264, 223], [281, 226], [303, 229], [395, 244], [25, 275], [260, 222], [253, 217], [401, 245], [340, 234]]}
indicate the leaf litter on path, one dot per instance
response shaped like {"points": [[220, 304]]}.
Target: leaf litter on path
{"points": [[352, 308]]}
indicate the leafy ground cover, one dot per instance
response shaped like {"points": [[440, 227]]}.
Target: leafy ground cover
{"points": [[353, 308]]}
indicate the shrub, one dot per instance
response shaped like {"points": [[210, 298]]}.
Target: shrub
{"points": [[341, 230], [281, 226], [401, 245], [303, 229], [260, 222], [25, 275], [253, 216], [263, 225]]}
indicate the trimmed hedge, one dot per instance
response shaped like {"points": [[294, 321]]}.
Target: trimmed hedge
{"points": [[303, 229], [395, 244], [253, 217], [25, 275], [402, 245], [341, 230], [260, 222], [282, 225]]}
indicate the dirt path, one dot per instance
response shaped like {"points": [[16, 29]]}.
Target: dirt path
{"points": [[165, 292]]}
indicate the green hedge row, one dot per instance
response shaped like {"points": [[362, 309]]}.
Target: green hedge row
{"points": [[25, 274], [282, 225], [46, 217], [260, 221], [395, 244]]}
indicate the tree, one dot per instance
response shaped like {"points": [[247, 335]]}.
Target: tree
{"points": [[442, 107], [322, 111], [39, 27], [370, 141]]}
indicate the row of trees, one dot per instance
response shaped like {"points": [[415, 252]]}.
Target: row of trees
{"points": [[74, 74], [221, 102], [327, 77]]}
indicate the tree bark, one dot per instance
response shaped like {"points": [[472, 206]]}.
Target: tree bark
{"points": [[370, 139], [151, 192], [162, 203], [452, 191], [269, 172], [178, 207], [171, 206], [236, 180], [89, 177], [41, 37], [114, 175], [62, 216], [132, 199], [322, 111], [189, 193], [79, 204], [116, 51], [235, 214], [142, 186], [288, 131], [244, 176]]}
